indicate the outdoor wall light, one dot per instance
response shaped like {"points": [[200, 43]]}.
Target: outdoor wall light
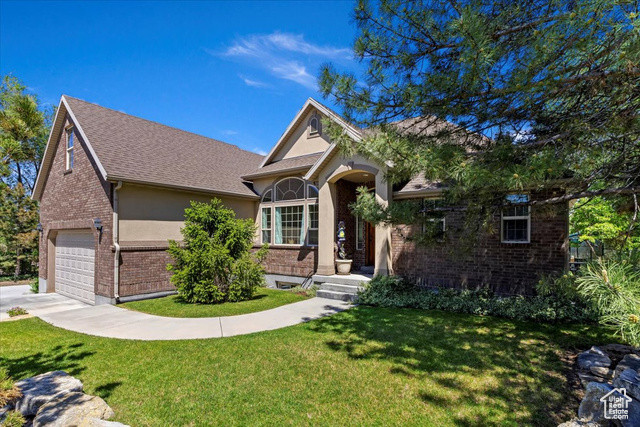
{"points": [[39, 228], [97, 224]]}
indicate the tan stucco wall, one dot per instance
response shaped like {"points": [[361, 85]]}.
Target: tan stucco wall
{"points": [[155, 214], [299, 143]]}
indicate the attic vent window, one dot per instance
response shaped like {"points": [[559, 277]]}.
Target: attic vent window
{"points": [[315, 127], [69, 148]]}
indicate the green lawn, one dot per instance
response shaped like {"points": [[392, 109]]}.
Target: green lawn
{"points": [[173, 306], [365, 366]]}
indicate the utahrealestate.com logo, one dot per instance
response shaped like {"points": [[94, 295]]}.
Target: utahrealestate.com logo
{"points": [[616, 404]]}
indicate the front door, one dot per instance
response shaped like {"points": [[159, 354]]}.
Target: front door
{"points": [[369, 244]]}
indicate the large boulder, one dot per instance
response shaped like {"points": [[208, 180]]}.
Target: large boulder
{"points": [[630, 361], [605, 373], [629, 380], [37, 391], [578, 423], [593, 357], [72, 409], [591, 409], [634, 415]]}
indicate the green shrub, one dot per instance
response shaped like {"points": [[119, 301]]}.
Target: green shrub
{"points": [[214, 263], [16, 311], [394, 291], [8, 390], [614, 288], [14, 419], [35, 285]]}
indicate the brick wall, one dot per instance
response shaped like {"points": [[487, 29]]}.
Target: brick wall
{"points": [[143, 269], [70, 201], [293, 261], [507, 268]]}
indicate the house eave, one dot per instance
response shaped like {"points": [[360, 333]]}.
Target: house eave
{"points": [[299, 169], [114, 179]]}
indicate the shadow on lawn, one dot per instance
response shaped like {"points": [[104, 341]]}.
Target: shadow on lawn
{"points": [[483, 368], [59, 358], [67, 358], [179, 301]]}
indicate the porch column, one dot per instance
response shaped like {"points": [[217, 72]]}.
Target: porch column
{"points": [[383, 233], [326, 228]]}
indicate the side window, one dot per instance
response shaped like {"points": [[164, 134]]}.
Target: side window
{"points": [[266, 225], [516, 219], [435, 222], [69, 148]]}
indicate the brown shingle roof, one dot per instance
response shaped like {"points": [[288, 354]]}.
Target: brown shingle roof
{"points": [[139, 150], [300, 163], [419, 183]]}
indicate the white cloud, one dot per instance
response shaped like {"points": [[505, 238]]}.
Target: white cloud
{"points": [[229, 132], [259, 151], [253, 83], [282, 55]]}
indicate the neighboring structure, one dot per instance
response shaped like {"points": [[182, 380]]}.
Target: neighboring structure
{"points": [[113, 189]]}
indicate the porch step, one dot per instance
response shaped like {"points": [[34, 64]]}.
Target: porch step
{"points": [[336, 287], [338, 291], [350, 279], [336, 295]]}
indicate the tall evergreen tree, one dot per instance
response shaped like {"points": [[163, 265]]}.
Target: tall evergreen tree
{"points": [[24, 128], [552, 86]]}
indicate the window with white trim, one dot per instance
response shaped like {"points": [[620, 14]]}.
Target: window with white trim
{"points": [[435, 222], [315, 126], [289, 189], [312, 233], [289, 213], [289, 225], [266, 225], [359, 233], [69, 148], [516, 220]]}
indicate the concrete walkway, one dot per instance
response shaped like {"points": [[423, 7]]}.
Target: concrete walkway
{"points": [[35, 304], [114, 322]]}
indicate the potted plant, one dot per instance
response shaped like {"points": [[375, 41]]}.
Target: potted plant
{"points": [[342, 263]]}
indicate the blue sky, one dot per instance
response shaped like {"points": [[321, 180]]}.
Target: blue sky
{"points": [[234, 71]]}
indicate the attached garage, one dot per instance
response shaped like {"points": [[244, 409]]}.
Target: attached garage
{"points": [[75, 265]]}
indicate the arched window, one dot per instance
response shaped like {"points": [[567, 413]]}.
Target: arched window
{"points": [[289, 213], [289, 189], [312, 192], [315, 126]]}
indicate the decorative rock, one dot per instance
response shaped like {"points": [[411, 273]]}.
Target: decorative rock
{"points": [[72, 409], [591, 409], [630, 380], [630, 361], [602, 372], [37, 391], [587, 377], [620, 349], [634, 415], [579, 423], [593, 357]]}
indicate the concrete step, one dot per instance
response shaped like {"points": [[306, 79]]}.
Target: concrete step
{"points": [[335, 295], [346, 289], [350, 279]]}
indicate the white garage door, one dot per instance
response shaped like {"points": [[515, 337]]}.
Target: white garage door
{"points": [[75, 263]]}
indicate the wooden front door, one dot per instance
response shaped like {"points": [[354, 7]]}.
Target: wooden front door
{"points": [[369, 244]]}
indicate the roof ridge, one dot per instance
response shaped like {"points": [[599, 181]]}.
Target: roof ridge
{"points": [[160, 124]]}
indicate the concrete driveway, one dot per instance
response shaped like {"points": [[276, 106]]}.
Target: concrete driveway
{"points": [[35, 304]]}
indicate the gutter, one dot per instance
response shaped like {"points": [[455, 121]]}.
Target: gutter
{"points": [[116, 232]]}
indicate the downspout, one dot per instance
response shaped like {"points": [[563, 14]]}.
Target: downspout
{"points": [[116, 259]]}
